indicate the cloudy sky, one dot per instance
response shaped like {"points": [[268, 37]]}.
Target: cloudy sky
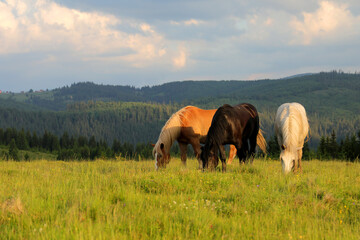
{"points": [[45, 44]]}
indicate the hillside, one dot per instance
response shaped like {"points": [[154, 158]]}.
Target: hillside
{"points": [[332, 101], [320, 93]]}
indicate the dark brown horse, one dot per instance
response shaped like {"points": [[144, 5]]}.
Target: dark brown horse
{"points": [[189, 125], [237, 125]]}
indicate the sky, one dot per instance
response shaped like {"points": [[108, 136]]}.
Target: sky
{"points": [[46, 44]]}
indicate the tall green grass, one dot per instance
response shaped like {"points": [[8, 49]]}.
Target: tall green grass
{"points": [[130, 200]]}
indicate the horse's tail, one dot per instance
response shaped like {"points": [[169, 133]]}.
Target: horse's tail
{"points": [[261, 142]]}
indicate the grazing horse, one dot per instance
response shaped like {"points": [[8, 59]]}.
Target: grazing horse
{"points": [[237, 125], [291, 129], [189, 125]]}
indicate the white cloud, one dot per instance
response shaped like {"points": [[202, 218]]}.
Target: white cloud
{"points": [[30, 26], [180, 60], [192, 22], [159, 41], [331, 21], [189, 22]]}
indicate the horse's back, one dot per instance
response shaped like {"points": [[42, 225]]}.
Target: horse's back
{"points": [[236, 118], [287, 109], [293, 112], [243, 109], [199, 120], [303, 118], [250, 109]]}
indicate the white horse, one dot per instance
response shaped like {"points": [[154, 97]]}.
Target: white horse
{"points": [[291, 129]]}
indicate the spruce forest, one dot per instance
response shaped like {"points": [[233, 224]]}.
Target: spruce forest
{"points": [[88, 121]]}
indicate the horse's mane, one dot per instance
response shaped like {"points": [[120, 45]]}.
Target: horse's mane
{"points": [[171, 130], [217, 130], [292, 125]]}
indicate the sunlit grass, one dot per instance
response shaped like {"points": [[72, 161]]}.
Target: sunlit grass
{"points": [[129, 199]]}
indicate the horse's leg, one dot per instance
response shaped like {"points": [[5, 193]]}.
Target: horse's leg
{"points": [[232, 153], [197, 150], [252, 141], [246, 149], [223, 158], [296, 164], [183, 152], [300, 152], [240, 153]]}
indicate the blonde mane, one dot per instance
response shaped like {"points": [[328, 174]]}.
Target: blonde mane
{"points": [[171, 130], [291, 125]]}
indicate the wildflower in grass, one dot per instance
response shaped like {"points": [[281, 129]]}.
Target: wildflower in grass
{"points": [[174, 202]]}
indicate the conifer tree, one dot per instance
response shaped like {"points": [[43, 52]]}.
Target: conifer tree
{"points": [[13, 151]]}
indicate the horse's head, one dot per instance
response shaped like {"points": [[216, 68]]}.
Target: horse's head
{"points": [[209, 157], [288, 159], [161, 156]]}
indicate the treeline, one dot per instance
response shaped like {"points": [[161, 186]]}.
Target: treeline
{"points": [[348, 148], [69, 147], [330, 99], [142, 122], [329, 148], [124, 121]]}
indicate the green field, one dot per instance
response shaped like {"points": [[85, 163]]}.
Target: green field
{"points": [[130, 200]]}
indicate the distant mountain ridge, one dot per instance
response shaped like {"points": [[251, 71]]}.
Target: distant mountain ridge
{"points": [[331, 99], [339, 88], [297, 75]]}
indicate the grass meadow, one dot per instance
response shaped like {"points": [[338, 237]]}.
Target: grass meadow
{"points": [[130, 200]]}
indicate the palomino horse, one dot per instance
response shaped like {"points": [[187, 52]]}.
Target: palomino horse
{"points": [[189, 125], [238, 125], [291, 128]]}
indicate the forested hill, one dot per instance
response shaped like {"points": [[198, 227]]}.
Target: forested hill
{"points": [[175, 92], [320, 92], [331, 99]]}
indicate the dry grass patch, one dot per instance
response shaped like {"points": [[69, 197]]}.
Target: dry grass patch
{"points": [[13, 206]]}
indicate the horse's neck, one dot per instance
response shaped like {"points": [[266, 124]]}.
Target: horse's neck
{"points": [[168, 136]]}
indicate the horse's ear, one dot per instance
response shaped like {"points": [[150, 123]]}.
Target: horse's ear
{"points": [[151, 144], [283, 147], [161, 146]]}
